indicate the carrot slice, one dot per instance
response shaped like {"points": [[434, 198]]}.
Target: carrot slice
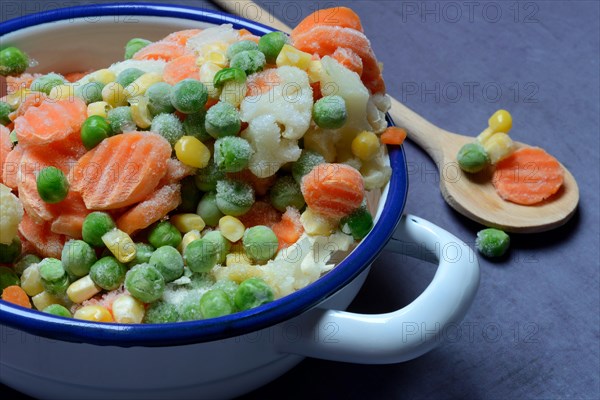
{"points": [[162, 50], [71, 214], [247, 35], [16, 295], [23, 81], [393, 135], [32, 99], [75, 76], [51, 121], [181, 68], [333, 190], [122, 170], [349, 59], [289, 229], [324, 40], [181, 37], [261, 213], [152, 209], [337, 16], [528, 176], [45, 242], [5, 149], [11, 167]]}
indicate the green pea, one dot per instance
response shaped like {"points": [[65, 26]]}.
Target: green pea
{"points": [[253, 292], [10, 252], [201, 255], [168, 126], [134, 45], [25, 262], [271, 44], [232, 153], [143, 252], [58, 310], [208, 209], [492, 242], [159, 99], [164, 234], [472, 157], [285, 193], [145, 283], [78, 257], [94, 130], [240, 46], [260, 243], [358, 223], [5, 109], [90, 92], [215, 303], [194, 125], [95, 225], [307, 161], [206, 178], [13, 61], [120, 120], [45, 83], [8, 277], [161, 312], [108, 273], [129, 75], [329, 112], [52, 185], [54, 277], [234, 197], [249, 61], [218, 240], [229, 75], [222, 120], [189, 96], [189, 309], [229, 287], [168, 261], [190, 195]]}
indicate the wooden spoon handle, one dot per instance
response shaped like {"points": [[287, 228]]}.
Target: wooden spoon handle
{"points": [[422, 132]]}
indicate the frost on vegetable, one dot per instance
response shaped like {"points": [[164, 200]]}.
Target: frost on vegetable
{"points": [[222, 33]]}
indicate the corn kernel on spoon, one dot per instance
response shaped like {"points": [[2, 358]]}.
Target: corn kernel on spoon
{"points": [[472, 195]]}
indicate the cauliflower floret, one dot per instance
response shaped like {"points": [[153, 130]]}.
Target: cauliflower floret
{"points": [[377, 106], [271, 151], [289, 101], [376, 172], [222, 33], [11, 213]]}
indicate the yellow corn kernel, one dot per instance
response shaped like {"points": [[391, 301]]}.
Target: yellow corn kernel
{"points": [[31, 281], [289, 55], [498, 146], [120, 244], [233, 93], [500, 121], [192, 152], [139, 111], [187, 222], [207, 74], [104, 76], [128, 310], [365, 145], [215, 46], [188, 238], [44, 299], [141, 84], [99, 108], [237, 258], [316, 224], [94, 314], [114, 94], [62, 92], [231, 228], [315, 69], [82, 289]]}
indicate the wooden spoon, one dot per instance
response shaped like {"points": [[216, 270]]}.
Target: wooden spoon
{"points": [[474, 195]]}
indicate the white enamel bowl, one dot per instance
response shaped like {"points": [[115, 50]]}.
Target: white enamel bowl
{"points": [[50, 357]]}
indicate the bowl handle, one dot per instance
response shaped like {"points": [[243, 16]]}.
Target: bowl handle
{"points": [[406, 333]]}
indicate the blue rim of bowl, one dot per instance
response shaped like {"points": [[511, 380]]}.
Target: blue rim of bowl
{"points": [[182, 333]]}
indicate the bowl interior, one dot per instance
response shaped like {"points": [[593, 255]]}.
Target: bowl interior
{"points": [[92, 37]]}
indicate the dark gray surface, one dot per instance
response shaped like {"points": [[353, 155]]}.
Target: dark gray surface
{"points": [[533, 331]]}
